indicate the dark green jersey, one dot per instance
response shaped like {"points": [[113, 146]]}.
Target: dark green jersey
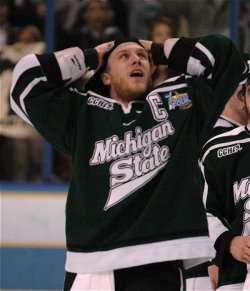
{"points": [[134, 197], [222, 125], [225, 162]]}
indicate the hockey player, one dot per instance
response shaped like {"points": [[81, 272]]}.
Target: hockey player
{"points": [[225, 165], [134, 216], [205, 276]]}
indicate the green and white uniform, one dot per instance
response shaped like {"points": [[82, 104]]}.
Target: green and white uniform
{"points": [[134, 197], [226, 168], [197, 278]]}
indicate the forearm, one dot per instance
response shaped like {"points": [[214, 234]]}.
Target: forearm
{"points": [[220, 235], [210, 56], [175, 52], [40, 96], [222, 246], [67, 66]]}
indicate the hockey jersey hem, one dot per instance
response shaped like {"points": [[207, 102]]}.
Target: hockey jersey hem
{"points": [[192, 251], [238, 286]]}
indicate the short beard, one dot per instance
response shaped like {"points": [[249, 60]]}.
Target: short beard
{"points": [[131, 95]]}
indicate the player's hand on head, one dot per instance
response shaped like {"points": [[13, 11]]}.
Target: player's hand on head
{"points": [[240, 248], [147, 44], [101, 50], [213, 272]]}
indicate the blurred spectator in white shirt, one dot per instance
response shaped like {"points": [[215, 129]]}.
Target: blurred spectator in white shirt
{"points": [[21, 145]]}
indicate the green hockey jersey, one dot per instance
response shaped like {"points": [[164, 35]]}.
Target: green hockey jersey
{"points": [[134, 196], [222, 125], [225, 162]]}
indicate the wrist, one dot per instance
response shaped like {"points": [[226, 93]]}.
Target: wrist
{"points": [[158, 57], [91, 58]]}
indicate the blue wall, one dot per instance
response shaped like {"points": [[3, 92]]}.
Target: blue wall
{"points": [[32, 268], [33, 248]]}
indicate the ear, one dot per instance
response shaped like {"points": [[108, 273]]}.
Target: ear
{"points": [[240, 93], [239, 88], [105, 79]]}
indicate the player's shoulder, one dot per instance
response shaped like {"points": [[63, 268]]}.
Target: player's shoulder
{"points": [[229, 140], [224, 124], [170, 84]]}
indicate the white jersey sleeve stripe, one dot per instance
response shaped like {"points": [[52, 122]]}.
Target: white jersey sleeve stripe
{"points": [[28, 62], [205, 190], [28, 89], [168, 46], [194, 66], [206, 52], [215, 227], [233, 132], [223, 145], [23, 113], [18, 111]]}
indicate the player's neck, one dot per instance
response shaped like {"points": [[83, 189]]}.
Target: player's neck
{"points": [[237, 115]]}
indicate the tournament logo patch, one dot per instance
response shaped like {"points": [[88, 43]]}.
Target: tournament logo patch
{"points": [[178, 100]]}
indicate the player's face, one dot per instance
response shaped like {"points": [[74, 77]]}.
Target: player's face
{"points": [[244, 96], [128, 72]]}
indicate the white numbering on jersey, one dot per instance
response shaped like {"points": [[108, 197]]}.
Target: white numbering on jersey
{"points": [[155, 102], [242, 192]]}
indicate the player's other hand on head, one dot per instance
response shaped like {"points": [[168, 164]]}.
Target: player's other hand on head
{"points": [[213, 272], [240, 248], [146, 43], [101, 50]]}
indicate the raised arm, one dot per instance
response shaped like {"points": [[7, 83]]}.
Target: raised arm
{"points": [[41, 93], [210, 56]]}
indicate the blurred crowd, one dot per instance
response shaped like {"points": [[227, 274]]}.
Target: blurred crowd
{"points": [[87, 23]]}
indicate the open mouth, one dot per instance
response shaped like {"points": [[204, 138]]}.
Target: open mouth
{"points": [[136, 73]]}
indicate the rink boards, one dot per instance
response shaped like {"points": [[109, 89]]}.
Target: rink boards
{"points": [[32, 236]]}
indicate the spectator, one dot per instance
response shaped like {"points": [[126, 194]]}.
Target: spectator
{"points": [[6, 28], [120, 18], [72, 8], [140, 14], [61, 14], [95, 25], [21, 145], [211, 16], [245, 25], [22, 12], [143, 12], [163, 28]]}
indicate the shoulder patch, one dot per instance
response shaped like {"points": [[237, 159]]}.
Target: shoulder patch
{"points": [[226, 151], [178, 100], [99, 102]]}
